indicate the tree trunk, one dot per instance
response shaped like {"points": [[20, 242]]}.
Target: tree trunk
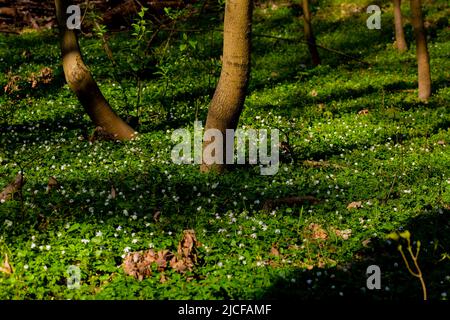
{"points": [[83, 85], [400, 41], [228, 100], [309, 36], [423, 59]]}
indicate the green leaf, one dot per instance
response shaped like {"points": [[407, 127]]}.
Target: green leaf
{"points": [[74, 227]]}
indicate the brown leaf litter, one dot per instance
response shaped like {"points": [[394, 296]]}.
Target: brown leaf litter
{"points": [[139, 264]]}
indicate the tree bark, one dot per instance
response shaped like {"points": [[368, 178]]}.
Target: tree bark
{"points": [[309, 36], [400, 41], [423, 59], [229, 97], [83, 85]]}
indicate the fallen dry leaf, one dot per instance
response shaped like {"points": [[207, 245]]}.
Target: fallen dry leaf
{"points": [[113, 193], [52, 183], [139, 264], [12, 85], [314, 93], [101, 134], [6, 267], [156, 216], [355, 205], [274, 251], [344, 234], [12, 188], [366, 242], [363, 112], [317, 232]]}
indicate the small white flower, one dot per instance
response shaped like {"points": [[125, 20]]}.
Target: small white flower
{"points": [[26, 267], [126, 250], [253, 235], [85, 241], [134, 241], [48, 247], [220, 264], [98, 234], [8, 223], [33, 245]]}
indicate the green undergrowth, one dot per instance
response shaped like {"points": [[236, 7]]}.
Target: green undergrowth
{"points": [[356, 133]]}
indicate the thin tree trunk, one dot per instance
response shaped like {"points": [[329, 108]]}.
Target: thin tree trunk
{"points": [[423, 59], [309, 36], [228, 100], [83, 85], [400, 41]]}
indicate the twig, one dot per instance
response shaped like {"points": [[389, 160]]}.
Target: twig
{"points": [[283, 39]]}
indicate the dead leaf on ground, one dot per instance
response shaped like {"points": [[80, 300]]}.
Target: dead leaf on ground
{"points": [[52, 183], [355, 205], [113, 193], [344, 234], [366, 242], [139, 264], [314, 93], [12, 85], [363, 112], [6, 267], [100, 134], [12, 188], [274, 251], [156, 216], [45, 76], [317, 232]]}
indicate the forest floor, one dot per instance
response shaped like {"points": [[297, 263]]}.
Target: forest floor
{"points": [[376, 159]]}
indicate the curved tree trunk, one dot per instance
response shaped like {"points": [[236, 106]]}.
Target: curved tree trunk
{"points": [[309, 36], [83, 85], [423, 59], [228, 100], [400, 41]]}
